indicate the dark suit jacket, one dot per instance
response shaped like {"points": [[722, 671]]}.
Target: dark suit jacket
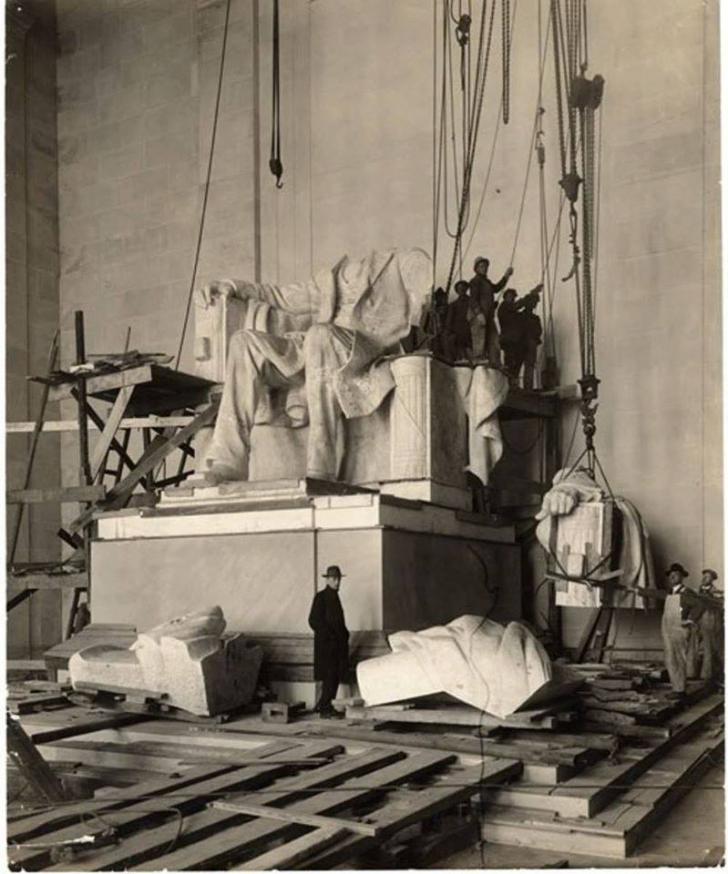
{"points": [[331, 637]]}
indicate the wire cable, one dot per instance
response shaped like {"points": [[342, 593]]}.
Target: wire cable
{"points": [[208, 177]]}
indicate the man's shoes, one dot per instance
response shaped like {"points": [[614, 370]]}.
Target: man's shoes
{"points": [[330, 713]]}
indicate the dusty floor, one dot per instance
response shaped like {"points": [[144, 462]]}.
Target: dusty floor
{"points": [[692, 835]]}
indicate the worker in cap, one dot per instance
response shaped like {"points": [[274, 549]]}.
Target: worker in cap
{"points": [[330, 641], [710, 628], [678, 631], [482, 324]]}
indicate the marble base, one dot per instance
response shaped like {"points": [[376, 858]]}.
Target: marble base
{"points": [[408, 565]]}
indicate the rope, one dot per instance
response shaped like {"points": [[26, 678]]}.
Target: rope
{"points": [[208, 177], [476, 113], [499, 119]]}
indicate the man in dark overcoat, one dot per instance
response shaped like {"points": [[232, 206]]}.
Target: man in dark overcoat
{"points": [[330, 641]]}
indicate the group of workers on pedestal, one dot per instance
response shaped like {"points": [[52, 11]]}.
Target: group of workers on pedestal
{"points": [[692, 628], [465, 329]]}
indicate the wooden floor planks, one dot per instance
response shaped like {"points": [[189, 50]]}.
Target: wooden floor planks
{"points": [[619, 827]]}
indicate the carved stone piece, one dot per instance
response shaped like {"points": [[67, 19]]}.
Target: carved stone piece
{"points": [[493, 667], [184, 663]]}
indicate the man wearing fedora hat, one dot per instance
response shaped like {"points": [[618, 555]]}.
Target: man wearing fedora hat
{"points": [[330, 640]]}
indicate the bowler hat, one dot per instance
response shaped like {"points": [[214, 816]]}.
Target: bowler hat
{"points": [[676, 566], [333, 570], [713, 574]]}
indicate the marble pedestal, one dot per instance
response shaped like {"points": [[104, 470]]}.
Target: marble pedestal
{"points": [[259, 551]]}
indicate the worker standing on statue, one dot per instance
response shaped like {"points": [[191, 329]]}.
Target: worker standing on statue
{"points": [[532, 334], [482, 325]]}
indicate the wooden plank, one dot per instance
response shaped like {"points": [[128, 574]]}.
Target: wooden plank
{"points": [[407, 809], [130, 423], [294, 852], [588, 793], [292, 815], [230, 845], [144, 813], [112, 423], [590, 740], [47, 581], [197, 782], [32, 702], [143, 849], [622, 825], [164, 757], [103, 383], [30, 763], [115, 720], [531, 753], [452, 715], [64, 495], [25, 665]]}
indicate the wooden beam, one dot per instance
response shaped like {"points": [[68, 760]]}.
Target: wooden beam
{"points": [[105, 382], [69, 425], [116, 720], [296, 851], [59, 496], [103, 445], [47, 581], [292, 815], [30, 762], [18, 599]]}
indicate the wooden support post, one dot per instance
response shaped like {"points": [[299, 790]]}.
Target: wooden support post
{"points": [[30, 763], [18, 599], [122, 456], [72, 613], [37, 430], [86, 478], [112, 423]]}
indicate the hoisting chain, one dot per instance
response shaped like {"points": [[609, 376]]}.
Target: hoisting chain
{"points": [[275, 164], [556, 31], [506, 43]]}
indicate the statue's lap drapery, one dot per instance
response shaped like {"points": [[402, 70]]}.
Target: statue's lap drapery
{"points": [[320, 358]]}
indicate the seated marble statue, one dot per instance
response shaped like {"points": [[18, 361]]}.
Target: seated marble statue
{"points": [[184, 663], [577, 527], [495, 668], [314, 354]]}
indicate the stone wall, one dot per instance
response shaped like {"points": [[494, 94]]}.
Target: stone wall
{"points": [[31, 302], [137, 87]]}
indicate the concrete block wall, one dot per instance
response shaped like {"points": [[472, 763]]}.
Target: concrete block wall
{"points": [[31, 300]]}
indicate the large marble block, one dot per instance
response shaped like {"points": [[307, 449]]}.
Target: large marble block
{"points": [[184, 663]]}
